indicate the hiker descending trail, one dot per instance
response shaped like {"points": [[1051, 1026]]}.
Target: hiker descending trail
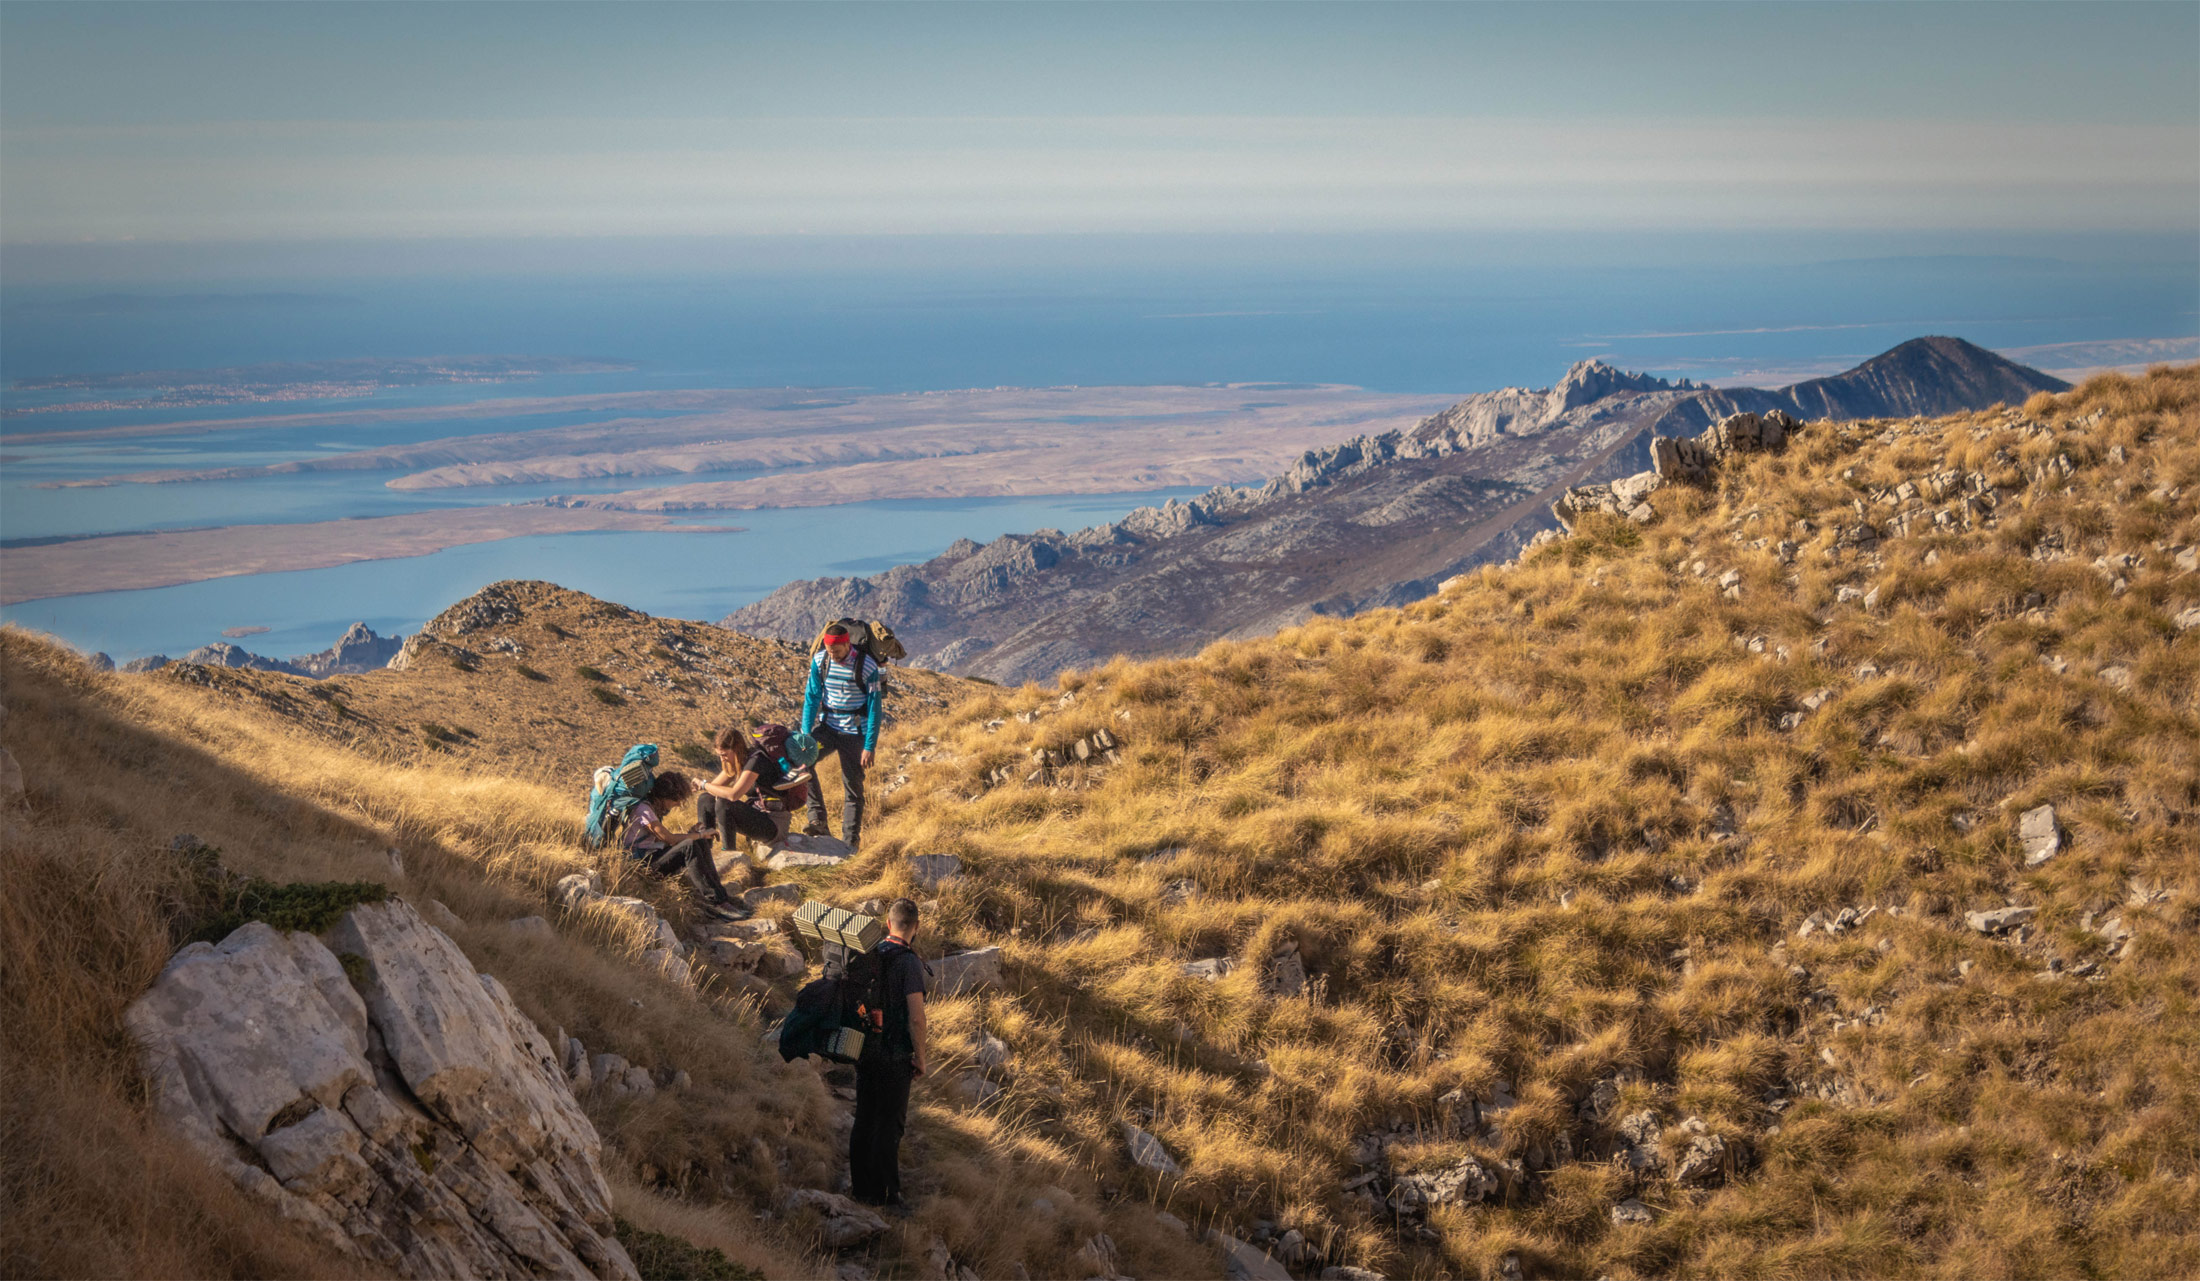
{"points": [[841, 707]]}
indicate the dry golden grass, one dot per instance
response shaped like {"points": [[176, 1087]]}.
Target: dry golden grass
{"points": [[116, 766], [552, 685], [1547, 829]]}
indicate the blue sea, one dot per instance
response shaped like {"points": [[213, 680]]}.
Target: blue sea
{"points": [[1426, 315]]}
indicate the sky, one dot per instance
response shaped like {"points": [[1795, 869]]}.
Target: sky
{"points": [[215, 124]]}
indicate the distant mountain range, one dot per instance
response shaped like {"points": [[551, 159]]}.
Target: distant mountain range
{"points": [[357, 650], [1376, 521]]}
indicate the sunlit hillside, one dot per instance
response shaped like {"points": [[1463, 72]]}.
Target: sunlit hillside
{"points": [[530, 680], [1632, 884], [1639, 909], [97, 889]]}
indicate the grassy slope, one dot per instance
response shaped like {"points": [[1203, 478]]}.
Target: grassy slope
{"points": [[469, 700], [1546, 829], [1557, 747], [116, 766]]}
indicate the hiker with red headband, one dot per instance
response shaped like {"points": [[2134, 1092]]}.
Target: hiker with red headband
{"points": [[840, 709]]}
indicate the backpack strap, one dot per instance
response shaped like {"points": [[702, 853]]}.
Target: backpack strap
{"points": [[856, 659]]}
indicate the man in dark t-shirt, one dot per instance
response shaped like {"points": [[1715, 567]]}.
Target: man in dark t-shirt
{"points": [[893, 1057]]}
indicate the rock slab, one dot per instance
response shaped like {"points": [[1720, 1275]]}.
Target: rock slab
{"points": [[2000, 919], [2039, 834], [963, 972], [1147, 1151], [404, 1111], [1243, 1262], [796, 850], [931, 871]]}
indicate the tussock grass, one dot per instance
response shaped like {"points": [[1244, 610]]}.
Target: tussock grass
{"points": [[1549, 833], [114, 769], [1560, 825], [93, 900]]}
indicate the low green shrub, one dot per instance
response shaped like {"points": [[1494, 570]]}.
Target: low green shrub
{"points": [[659, 1257]]}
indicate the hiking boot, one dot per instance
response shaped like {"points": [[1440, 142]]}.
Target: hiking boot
{"points": [[817, 828], [729, 910]]}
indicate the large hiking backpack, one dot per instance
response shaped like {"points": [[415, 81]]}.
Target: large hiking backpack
{"points": [[617, 789], [816, 1024], [864, 995], [873, 638], [792, 751], [841, 1014]]}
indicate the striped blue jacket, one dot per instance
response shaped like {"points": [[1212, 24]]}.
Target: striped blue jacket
{"points": [[834, 693]]}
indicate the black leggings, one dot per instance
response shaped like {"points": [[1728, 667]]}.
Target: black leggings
{"points": [[694, 855], [849, 747], [734, 818]]}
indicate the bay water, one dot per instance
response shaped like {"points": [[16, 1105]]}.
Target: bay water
{"points": [[1427, 317]]}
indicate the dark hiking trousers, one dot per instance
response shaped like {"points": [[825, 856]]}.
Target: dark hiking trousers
{"points": [[693, 854], [849, 747], [734, 818], [882, 1110]]}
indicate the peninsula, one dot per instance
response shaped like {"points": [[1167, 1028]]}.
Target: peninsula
{"points": [[163, 558]]}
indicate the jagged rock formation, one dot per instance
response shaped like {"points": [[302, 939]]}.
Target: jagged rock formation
{"points": [[1374, 521], [1677, 460], [224, 654], [377, 1092], [357, 650]]}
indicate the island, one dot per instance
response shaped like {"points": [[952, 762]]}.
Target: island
{"points": [[163, 558]]}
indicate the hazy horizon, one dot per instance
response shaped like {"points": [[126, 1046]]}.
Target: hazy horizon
{"points": [[221, 123]]}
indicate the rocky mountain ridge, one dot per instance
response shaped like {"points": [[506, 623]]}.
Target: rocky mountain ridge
{"points": [[540, 681], [1377, 520], [358, 650]]}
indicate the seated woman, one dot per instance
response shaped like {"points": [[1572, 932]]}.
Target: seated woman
{"points": [[754, 795], [665, 852]]}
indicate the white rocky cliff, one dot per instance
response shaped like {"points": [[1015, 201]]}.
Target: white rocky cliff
{"points": [[378, 1092]]}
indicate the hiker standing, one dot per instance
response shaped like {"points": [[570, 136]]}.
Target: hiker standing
{"points": [[840, 708], [893, 1057]]}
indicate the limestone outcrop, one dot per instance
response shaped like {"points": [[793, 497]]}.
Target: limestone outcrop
{"points": [[1375, 521], [376, 1091], [357, 650], [224, 654]]}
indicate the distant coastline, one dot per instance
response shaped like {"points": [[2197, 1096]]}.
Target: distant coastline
{"points": [[128, 562], [289, 381]]}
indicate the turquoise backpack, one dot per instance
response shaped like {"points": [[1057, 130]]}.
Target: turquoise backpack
{"points": [[618, 789]]}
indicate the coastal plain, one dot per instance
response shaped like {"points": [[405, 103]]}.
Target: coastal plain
{"points": [[790, 447], [1222, 432], [163, 558]]}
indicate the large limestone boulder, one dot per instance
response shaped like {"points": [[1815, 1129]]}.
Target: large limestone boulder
{"points": [[796, 850], [931, 871], [964, 972], [393, 1102]]}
